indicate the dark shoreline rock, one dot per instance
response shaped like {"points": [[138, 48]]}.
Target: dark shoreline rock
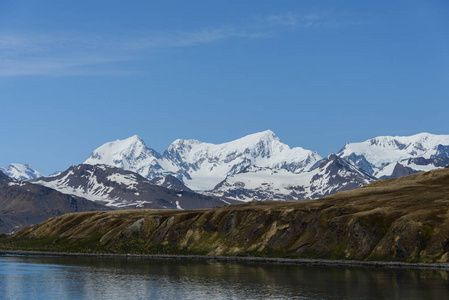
{"points": [[237, 259]]}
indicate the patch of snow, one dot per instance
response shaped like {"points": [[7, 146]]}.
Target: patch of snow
{"points": [[18, 183], [178, 206], [129, 180]]}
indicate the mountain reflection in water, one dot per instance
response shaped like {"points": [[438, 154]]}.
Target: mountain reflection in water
{"points": [[28, 277]]}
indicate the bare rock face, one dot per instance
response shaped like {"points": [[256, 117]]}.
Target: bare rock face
{"points": [[400, 170], [3, 177], [400, 219], [171, 182]]}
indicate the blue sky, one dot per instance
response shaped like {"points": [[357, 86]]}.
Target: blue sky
{"points": [[77, 74]]}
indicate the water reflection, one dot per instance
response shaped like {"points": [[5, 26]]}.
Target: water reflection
{"points": [[24, 277]]}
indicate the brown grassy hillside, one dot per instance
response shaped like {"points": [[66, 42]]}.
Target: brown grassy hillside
{"points": [[401, 219]]}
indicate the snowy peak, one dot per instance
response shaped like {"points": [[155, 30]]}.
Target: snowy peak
{"points": [[21, 172], [423, 144], [178, 151], [191, 150], [128, 154], [201, 166], [418, 143], [266, 138], [181, 144], [132, 148], [379, 153]]}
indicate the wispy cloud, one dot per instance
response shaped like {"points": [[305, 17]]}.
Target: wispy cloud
{"points": [[59, 66], [169, 39], [71, 53], [63, 54], [290, 19], [55, 54], [283, 19]]}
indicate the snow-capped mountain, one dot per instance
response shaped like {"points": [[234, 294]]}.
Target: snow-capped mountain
{"points": [[379, 156], [201, 166], [129, 154], [21, 172], [124, 189], [328, 176], [259, 166]]}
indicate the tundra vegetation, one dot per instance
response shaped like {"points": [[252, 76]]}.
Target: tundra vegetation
{"points": [[401, 219]]}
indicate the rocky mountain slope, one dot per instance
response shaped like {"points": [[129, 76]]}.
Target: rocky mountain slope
{"points": [[170, 182], [328, 176], [387, 156], [402, 219], [118, 188], [4, 177], [23, 203], [20, 172]]}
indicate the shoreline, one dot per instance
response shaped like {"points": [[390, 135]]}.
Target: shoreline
{"points": [[271, 260]]}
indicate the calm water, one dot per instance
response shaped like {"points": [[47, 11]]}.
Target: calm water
{"points": [[24, 277]]}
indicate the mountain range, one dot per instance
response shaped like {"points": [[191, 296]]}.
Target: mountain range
{"points": [[257, 166], [201, 166]]}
